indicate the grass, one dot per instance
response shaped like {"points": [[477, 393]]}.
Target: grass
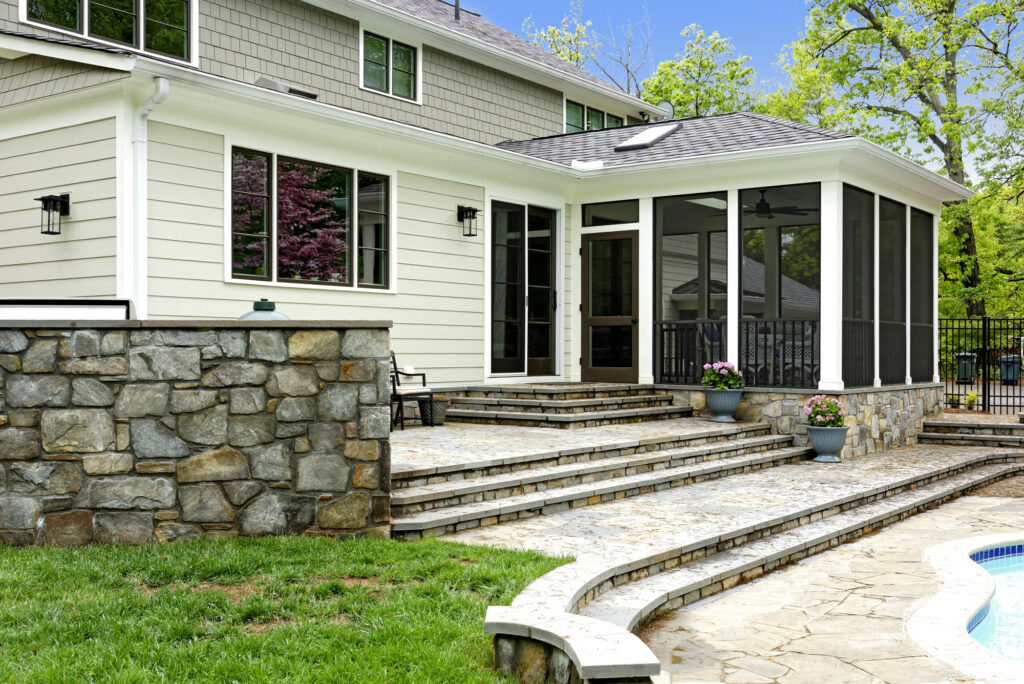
{"points": [[245, 610]]}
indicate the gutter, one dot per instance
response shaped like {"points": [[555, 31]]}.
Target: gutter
{"points": [[140, 175], [248, 91]]}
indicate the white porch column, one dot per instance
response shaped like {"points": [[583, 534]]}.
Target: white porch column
{"points": [[831, 308], [647, 291], [733, 286], [935, 298], [877, 327], [908, 379]]}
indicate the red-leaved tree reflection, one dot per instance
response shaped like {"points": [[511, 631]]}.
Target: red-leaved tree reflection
{"points": [[312, 221]]}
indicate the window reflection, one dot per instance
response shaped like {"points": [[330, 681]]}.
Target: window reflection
{"points": [[691, 257]]}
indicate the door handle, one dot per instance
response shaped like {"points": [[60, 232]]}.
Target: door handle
{"points": [[634, 320]]}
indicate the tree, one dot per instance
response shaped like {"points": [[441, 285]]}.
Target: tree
{"points": [[574, 42], [810, 97], [707, 78], [625, 53], [926, 74], [312, 222]]}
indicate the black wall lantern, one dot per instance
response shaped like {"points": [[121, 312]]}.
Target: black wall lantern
{"points": [[467, 215], [54, 207]]}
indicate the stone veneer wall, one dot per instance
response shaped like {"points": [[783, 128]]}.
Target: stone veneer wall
{"points": [[880, 418], [134, 431]]}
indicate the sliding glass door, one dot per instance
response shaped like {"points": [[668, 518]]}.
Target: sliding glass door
{"points": [[524, 299]]}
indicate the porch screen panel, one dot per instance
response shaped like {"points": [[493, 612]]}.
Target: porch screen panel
{"points": [[508, 279], [922, 297], [892, 291], [691, 303], [858, 287]]}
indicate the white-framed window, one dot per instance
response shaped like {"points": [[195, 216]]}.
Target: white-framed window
{"points": [[304, 222], [390, 66], [164, 28]]}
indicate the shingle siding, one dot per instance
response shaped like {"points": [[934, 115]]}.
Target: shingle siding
{"points": [[33, 77], [314, 49]]}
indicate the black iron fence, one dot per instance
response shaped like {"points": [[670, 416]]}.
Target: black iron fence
{"points": [[980, 363], [773, 352]]}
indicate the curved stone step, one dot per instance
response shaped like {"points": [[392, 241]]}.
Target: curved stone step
{"points": [[449, 493], [561, 406], [467, 516], [575, 420]]}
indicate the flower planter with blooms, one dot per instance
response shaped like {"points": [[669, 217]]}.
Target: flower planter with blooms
{"points": [[826, 427], [723, 388]]}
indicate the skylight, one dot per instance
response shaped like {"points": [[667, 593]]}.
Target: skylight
{"points": [[647, 137]]}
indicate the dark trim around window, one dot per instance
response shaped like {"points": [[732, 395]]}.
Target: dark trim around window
{"points": [[267, 237], [77, 28]]}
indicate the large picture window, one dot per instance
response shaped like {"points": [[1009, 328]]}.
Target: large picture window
{"points": [[310, 231], [158, 26]]}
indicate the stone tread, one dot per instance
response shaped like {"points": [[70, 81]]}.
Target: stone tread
{"points": [[436, 518], [400, 471], [556, 404], [444, 490], [617, 389], [931, 437], [652, 412], [627, 606]]}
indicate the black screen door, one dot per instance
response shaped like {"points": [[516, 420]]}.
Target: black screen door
{"points": [[610, 307]]}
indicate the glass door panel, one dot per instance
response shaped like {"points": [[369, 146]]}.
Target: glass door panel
{"points": [[542, 301], [508, 279]]}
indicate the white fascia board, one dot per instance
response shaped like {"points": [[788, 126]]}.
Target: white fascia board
{"points": [[146, 67], [433, 35], [69, 53], [856, 151]]}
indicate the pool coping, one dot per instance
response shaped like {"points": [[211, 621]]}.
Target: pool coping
{"points": [[940, 625]]}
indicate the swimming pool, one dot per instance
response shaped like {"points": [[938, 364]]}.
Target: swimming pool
{"points": [[999, 625]]}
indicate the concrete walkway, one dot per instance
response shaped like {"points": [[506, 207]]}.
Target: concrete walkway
{"points": [[836, 617]]}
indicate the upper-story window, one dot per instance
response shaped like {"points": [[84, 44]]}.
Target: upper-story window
{"points": [[579, 118], [389, 66], [162, 27]]}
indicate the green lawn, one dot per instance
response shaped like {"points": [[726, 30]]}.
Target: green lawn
{"points": [[271, 609]]}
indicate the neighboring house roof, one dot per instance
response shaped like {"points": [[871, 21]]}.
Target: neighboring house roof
{"points": [[794, 293], [475, 26], [694, 137]]}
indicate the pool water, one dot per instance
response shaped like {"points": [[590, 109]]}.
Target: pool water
{"points": [[1002, 628]]}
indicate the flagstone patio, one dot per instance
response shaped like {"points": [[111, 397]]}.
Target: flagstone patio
{"points": [[836, 617]]}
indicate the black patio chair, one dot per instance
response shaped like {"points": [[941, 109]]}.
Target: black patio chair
{"points": [[399, 394]]}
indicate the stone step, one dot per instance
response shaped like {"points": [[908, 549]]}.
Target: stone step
{"points": [[560, 406], [569, 421], [971, 439], [946, 427], [484, 513], [572, 587], [493, 487], [559, 391], [410, 475], [631, 605]]}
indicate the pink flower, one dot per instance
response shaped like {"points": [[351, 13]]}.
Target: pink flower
{"points": [[707, 366], [739, 373], [807, 410], [821, 419], [724, 371], [842, 413]]}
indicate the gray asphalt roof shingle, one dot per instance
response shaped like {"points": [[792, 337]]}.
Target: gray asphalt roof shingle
{"points": [[67, 41], [473, 25], [695, 137]]}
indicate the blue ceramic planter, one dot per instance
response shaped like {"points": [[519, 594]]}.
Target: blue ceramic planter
{"points": [[828, 442], [723, 403]]}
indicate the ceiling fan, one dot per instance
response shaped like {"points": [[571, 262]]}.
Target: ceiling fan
{"points": [[763, 209]]}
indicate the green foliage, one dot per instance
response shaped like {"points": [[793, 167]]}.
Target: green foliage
{"points": [[707, 78], [281, 609], [825, 411], [574, 42], [810, 97], [971, 400]]}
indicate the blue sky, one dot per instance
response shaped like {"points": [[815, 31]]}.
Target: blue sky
{"points": [[758, 28]]}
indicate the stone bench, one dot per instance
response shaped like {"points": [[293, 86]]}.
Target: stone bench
{"points": [[599, 650]]}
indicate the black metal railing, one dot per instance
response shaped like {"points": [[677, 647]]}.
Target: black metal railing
{"points": [[780, 352], [982, 357], [858, 352], [685, 346]]}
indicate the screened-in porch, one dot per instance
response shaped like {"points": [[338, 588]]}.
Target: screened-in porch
{"points": [[811, 286]]}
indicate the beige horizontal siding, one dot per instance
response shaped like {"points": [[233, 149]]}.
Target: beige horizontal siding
{"points": [[438, 310], [33, 77], [80, 160]]}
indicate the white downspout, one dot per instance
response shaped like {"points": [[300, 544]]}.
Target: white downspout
{"points": [[140, 168]]}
